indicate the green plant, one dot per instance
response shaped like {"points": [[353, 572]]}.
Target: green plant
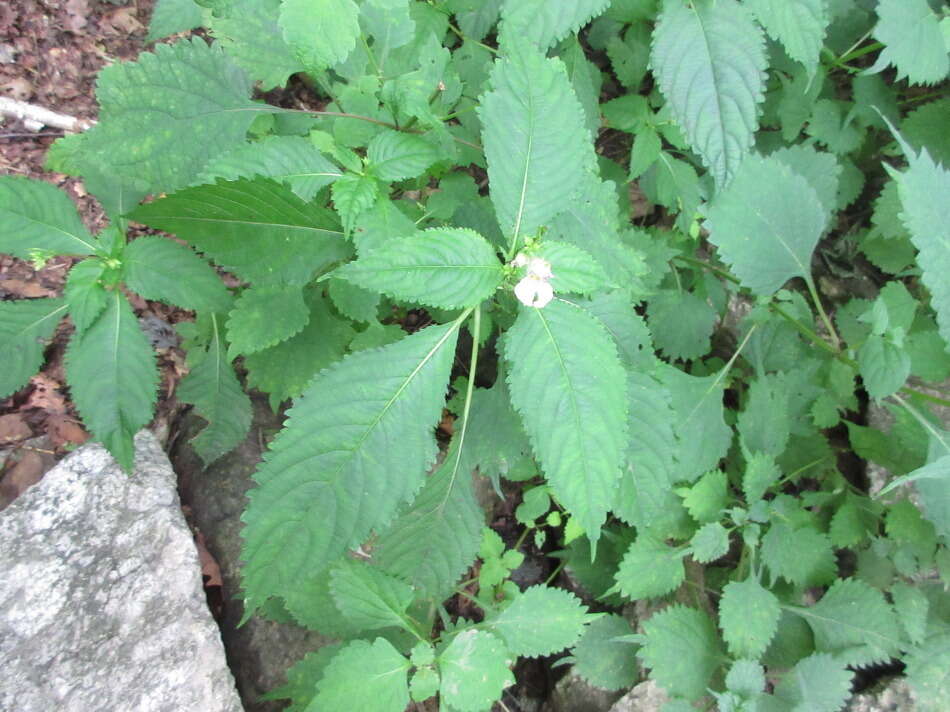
{"points": [[680, 410]]}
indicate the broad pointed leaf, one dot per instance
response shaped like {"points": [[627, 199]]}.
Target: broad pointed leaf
{"points": [[682, 650], [24, 326], [368, 597], [327, 479], [441, 267], [474, 670], [163, 116], [161, 269], [264, 316], [568, 385], [432, 543], [320, 32], [292, 160], [649, 569], [709, 59], [541, 621], [766, 224], [364, 676], [170, 17], [394, 155], [113, 378], [914, 42], [536, 142], [214, 390], [818, 683], [85, 293], [546, 22], [257, 229], [36, 216], [748, 616], [798, 24]]}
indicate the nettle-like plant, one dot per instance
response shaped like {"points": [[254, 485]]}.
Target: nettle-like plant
{"points": [[605, 211]]}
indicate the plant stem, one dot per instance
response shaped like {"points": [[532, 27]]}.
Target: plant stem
{"points": [[836, 342]]}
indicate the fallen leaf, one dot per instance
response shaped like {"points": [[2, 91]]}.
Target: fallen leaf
{"points": [[122, 22], [19, 89], [29, 470], [25, 289], [13, 428], [209, 566], [76, 12], [46, 395], [63, 430]]}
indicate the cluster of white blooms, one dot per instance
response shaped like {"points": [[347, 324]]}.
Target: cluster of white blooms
{"points": [[535, 289]]}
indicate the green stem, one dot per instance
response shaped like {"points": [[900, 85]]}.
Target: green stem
{"points": [[835, 341], [926, 396], [927, 425], [372, 57], [718, 271], [469, 390]]}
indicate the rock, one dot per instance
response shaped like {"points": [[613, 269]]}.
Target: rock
{"points": [[895, 697], [261, 651], [101, 601], [573, 693], [645, 697]]}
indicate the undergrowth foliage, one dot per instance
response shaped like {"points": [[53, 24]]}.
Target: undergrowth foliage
{"points": [[667, 250]]}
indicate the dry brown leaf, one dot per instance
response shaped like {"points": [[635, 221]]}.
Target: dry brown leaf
{"points": [[12, 428], [26, 289], [63, 430], [122, 21], [28, 471], [209, 565], [76, 12], [46, 395]]}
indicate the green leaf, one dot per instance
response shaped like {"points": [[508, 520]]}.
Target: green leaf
{"points": [[257, 229], [709, 60], [766, 224], [112, 377], [496, 440], [706, 499], [163, 116], [368, 597], [853, 622], [912, 606], [170, 17], [396, 155], [574, 414], [364, 676], [160, 269], [25, 324], [761, 472], [85, 293], [292, 160], [265, 316], [574, 270], [802, 557], [474, 670], [645, 498], [424, 684], [818, 683], [541, 621], [884, 365], [927, 217], [649, 569], [284, 370], [682, 649], [603, 660], [820, 169], [38, 217], [249, 34], [681, 323], [798, 24], [924, 128], [354, 302], [320, 33], [325, 483], [644, 152], [748, 616], [545, 22], [832, 124], [538, 148], [434, 541], [353, 195], [302, 677], [710, 542], [764, 424], [697, 403], [914, 42], [389, 23], [442, 267], [214, 390], [629, 331], [928, 671]]}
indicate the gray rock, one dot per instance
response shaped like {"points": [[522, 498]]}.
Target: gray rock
{"points": [[645, 697], [260, 651], [101, 602], [573, 693], [895, 697]]}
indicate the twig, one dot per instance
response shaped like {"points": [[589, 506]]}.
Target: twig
{"points": [[38, 117]]}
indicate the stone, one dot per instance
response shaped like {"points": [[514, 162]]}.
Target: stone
{"points": [[260, 651], [895, 697], [101, 602], [644, 697], [573, 693]]}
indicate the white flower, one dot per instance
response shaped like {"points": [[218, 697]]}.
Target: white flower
{"points": [[540, 268], [520, 260], [533, 291]]}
